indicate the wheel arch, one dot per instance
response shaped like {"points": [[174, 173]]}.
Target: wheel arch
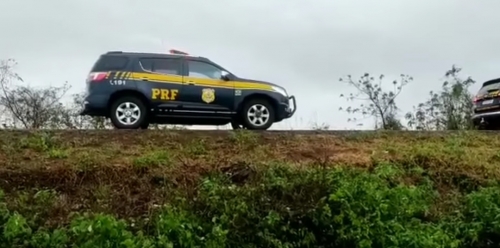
{"points": [[271, 100], [113, 97]]}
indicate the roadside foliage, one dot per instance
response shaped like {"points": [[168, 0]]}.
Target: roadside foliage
{"points": [[242, 189]]}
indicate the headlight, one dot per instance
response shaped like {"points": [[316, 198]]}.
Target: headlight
{"points": [[280, 90]]}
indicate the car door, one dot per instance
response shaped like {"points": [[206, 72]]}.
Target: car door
{"points": [[204, 91], [161, 80]]}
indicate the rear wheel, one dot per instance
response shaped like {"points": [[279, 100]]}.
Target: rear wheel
{"points": [[492, 124], [145, 125], [128, 112], [258, 114]]}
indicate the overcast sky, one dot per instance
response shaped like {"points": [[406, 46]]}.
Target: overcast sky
{"points": [[305, 46]]}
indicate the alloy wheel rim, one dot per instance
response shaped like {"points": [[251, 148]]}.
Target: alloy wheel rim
{"points": [[258, 115], [128, 113]]}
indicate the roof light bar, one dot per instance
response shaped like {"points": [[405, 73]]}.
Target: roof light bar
{"points": [[174, 51]]}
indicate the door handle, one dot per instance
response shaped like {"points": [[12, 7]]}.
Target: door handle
{"points": [[191, 82], [144, 79]]}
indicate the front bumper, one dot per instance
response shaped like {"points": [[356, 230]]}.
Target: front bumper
{"points": [[286, 110], [290, 111]]}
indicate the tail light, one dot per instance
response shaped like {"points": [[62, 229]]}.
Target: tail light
{"points": [[475, 100], [96, 77]]}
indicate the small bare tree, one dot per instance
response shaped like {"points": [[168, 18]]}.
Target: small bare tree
{"points": [[73, 120], [449, 109], [32, 107], [6, 76], [377, 102]]}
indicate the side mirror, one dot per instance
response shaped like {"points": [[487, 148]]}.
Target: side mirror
{"points": [[225, 76]]}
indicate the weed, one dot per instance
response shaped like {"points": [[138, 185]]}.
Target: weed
{"points": [[320, 127], [153, 159], [196, 147], [86, 160], [57, 153], [39, 141], [244, 138], [34, 206]]}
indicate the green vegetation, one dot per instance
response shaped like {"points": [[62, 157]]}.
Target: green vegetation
{"points": [[450, 108], [201, 189]]}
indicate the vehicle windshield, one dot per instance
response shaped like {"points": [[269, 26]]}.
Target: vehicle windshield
{"points": [[224, 68], [489, 87]]}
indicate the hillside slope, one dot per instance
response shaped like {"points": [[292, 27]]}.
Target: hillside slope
{"points": [[234, 189]]}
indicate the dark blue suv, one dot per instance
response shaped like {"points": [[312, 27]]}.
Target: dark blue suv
{"points": [[136, 89]]}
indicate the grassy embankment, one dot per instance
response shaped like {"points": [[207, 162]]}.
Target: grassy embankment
{"points": [[202, 189]]}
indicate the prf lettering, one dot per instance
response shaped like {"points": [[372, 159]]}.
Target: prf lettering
{"points": [[163, 94]]}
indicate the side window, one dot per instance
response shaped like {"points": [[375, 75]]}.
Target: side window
{"points": [[110, 63], [163, 66], [203, 70], [146, 64]]}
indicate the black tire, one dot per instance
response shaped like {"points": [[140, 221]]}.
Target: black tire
{"points": [[247, 122], [480, 126], [142, 120], [235, 125], [145, 125], [488, 125]]}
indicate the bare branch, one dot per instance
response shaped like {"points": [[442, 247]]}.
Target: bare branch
{"points": [[33, 107], [378, 103]]}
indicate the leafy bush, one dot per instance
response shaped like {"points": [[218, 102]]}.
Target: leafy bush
{"points": [[285, 207]]}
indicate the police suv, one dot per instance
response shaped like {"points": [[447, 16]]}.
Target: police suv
{"points": [[136, 89]]}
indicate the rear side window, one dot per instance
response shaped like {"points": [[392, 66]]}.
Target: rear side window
{"points": [[110, 63], [163, 66], [489, 87]]}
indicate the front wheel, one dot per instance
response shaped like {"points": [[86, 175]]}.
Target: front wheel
{"points": [[128, 112], [258, 114]]}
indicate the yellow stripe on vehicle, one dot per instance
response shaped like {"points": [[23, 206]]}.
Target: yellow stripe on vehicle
{"points": [[175, 79], [160, 78], [231, 84]]}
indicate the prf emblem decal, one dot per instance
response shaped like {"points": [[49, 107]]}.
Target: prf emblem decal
{"points": [[208, 95]]}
